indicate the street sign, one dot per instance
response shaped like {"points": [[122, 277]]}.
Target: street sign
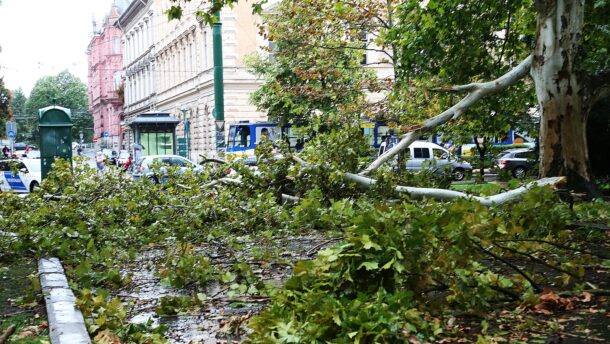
{"points": [[183, 145], [106, 134], [11, 129]]}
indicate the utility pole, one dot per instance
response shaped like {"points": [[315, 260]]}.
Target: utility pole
{"points": [[219, 105], [187, 134]]}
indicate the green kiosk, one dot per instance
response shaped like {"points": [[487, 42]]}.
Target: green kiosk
{"points": [[55, 136]]}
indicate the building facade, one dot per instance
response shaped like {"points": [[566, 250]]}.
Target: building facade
{"points": [[105, 60], [169, 70], [169, 74]]}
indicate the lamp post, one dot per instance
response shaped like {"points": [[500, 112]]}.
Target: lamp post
{"points": [[219, 105], [187, 135]]}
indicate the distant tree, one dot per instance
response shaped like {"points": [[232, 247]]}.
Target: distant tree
{"points": [[21, 116], [315, 65], [68, 91], [5, 109]]}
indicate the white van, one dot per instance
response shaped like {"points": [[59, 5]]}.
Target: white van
{"points": [[424, 154]]}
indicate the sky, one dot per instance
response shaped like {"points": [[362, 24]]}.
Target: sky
{"points": [[44, 37]]}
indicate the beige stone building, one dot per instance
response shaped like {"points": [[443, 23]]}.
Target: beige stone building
{"points": [[169, 70]]}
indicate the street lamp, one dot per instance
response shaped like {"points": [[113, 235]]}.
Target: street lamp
{"points": [[187, 135]]}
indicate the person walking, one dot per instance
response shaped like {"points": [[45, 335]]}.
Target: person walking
{"points": [[99, 160], [5, 152]]}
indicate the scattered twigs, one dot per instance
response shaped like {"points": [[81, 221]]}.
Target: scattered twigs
{"points": [[511, 265], [567, 248], [216, 160], [226, 181], [317, 247], [8, 333], [51, 197], [537, 260], [590, 226], [507, 292], [184, 186]]}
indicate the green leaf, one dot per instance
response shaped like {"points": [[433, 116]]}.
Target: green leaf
{"points": [[369, 266]]}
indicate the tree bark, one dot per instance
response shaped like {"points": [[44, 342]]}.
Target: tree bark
{"points": [[561, 92]]}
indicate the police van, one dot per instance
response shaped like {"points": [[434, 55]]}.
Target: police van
{"points": [[20, 176]]}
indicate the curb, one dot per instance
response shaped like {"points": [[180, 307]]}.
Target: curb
{"points": [[66, 322]]}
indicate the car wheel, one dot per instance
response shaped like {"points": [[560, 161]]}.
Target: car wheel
{"points": [[519, 172], [153, 179], [458, 174], [34, 186]]}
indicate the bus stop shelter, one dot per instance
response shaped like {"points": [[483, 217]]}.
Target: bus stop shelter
{"points": [[155, 133]]}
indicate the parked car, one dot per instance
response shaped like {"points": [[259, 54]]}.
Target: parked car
{"points": [[423, 154], [143, 167], [33, 154], [21, 149], [20, 175], [517, 161]]}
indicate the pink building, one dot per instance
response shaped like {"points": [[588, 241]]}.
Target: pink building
{"points": [[105, 57]]}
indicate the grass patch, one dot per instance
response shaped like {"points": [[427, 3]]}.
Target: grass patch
{"points": [[478, 189], [19, 302]]}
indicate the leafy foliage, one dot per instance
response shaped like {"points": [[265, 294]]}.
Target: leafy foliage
{"points": [[399, 270], [313, 71]]}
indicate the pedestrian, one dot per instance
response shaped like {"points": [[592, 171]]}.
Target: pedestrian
{"points": [[79, 150], [127, 164], [5, 151], [99, 160]]}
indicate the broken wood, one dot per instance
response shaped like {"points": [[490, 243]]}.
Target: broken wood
{"points": [[9, 331]]}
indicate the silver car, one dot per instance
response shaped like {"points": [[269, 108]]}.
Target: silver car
{"points": [[423, 154], [143, 167]]}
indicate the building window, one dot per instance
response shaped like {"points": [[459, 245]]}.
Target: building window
{"points": [[115, 45], [117, 80]]}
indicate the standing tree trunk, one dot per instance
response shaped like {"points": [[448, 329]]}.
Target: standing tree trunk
{"points": [[481, 149], [561, 92]]}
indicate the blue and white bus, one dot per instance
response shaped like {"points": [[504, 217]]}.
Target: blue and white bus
{"points": [[243, 138]]}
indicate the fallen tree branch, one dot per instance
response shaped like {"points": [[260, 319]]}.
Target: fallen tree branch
{"points": [[478, 91], [447, 195]]}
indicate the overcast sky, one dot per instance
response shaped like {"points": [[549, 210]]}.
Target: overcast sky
{"points": [[44, 37]]}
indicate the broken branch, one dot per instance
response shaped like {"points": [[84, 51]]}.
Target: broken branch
{"points": [[478, 91]]}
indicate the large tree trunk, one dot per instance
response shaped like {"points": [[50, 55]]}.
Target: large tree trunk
{"points": [[562, 95]]}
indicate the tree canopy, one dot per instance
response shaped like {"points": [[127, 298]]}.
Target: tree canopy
{"points": [[66, 90], [5, 109]]}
